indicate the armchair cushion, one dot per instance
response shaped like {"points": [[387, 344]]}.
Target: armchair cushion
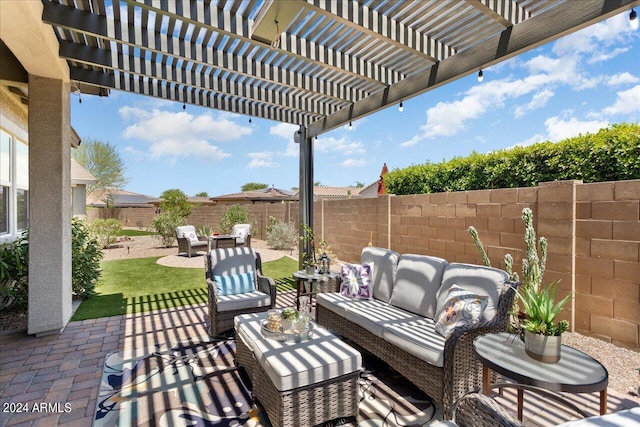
{"points": [[240, 232], [462, 308], [231, 261], [253, 299], [233, 284], [184, 232]]}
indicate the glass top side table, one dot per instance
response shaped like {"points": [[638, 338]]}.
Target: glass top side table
{"points": [[311, 284], [576, 372]]}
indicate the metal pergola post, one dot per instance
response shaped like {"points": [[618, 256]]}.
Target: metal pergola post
{"points": [[305, 200]]}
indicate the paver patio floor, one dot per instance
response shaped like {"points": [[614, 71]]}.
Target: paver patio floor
{"points": [[66, 368]]}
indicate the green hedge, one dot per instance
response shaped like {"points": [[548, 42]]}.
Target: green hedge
{"points": [[611, 154]]}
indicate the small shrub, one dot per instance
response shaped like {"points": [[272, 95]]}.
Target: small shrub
{"points": [[236, 214], [165, 225], [106, 231], [85, 260], [14, 274], [205, 230], [282, 235]]}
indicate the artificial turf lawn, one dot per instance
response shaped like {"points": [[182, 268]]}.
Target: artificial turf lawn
{"points": [[139, 285], [129, 232]]}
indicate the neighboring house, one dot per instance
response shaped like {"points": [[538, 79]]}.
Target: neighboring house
{"points": [[370, 191], [115, 198], [263, 195], [80, 178], [333, 193]]}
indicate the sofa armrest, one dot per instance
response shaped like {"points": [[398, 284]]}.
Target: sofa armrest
{"points": [[460, 362]]}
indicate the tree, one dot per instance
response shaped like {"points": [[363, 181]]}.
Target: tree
{"points": [[174, 200], [103, 161], [359, 184], [253, 186], [202, 194]]}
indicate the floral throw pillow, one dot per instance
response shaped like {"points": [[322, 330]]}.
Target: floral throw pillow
{"points": [[356, 280], [461, 308]]}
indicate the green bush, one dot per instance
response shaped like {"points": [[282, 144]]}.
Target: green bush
{"points": [[106, 231], [176, 201], [14, 267], [85, 260], [14, 274], [233, 215], [611, 154], [165, 225], [282, 235]]}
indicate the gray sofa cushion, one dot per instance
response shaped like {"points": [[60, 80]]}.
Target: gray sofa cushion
{"points": [[374, 315], [385, 263], [418, 338], [417, 282], [333, 301], [475, 278]]}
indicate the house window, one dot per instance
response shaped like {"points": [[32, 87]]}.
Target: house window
{"points": [[22, 185], [5, 180], [14, 185]]}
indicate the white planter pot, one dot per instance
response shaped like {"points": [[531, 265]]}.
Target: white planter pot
{"points": [[542, 348]]}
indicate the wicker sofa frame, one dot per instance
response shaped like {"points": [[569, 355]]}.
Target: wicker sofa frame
{"points": [[478, 410], [222, 321], [461, 373]]}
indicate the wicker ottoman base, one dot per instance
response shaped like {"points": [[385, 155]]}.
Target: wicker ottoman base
{"points": [[305, 406]]}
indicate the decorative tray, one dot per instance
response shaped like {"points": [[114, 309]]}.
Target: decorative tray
{"points": [[285, 336]]}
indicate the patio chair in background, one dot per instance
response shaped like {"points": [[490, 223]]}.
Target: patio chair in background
{"points": [[242, 233], [236, 286], [189, 242]]}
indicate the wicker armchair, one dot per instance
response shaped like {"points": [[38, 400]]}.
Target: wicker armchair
{"points": [[187, 244], [242, 232], [222, 309]]}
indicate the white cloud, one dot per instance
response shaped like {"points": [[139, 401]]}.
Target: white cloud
{"points": [[181, 134], [530, 141], [605, 55], [558, 128], [538, 100], [354, 163], [622, 79], [262, 159], [627, 102], [283, 130], [341, 145], [591, 39]]}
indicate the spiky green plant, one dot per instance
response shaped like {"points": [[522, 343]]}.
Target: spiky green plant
{"points": [[541, 307]]}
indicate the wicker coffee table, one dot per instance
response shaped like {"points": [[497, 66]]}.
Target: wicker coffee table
{"points": [[299, 384]]}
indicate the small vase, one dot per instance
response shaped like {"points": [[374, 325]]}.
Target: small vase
{"points": [[542, 348], [310, 269]]}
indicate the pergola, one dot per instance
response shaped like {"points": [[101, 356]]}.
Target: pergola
{"points": [[317, 64]]}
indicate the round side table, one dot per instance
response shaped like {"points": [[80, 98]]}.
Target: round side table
{"points": [[311, 284]]}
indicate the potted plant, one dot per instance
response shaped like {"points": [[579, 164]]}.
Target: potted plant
{"points": [[290, 317], [536, 322], [542, 334]]}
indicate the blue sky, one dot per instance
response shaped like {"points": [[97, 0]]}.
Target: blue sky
{"points": [[574, 85]]}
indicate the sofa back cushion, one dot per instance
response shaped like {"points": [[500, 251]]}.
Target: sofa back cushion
{"points": [[385, 263], [480, 280], [417, 282], [230, 261]]}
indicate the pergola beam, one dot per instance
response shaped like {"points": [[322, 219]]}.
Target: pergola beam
{"points": [[121, 32], [238, 27], [540, 29], [204, 81], [505, 12]]}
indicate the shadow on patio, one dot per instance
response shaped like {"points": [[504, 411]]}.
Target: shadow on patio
{"points": [[66, 368]]}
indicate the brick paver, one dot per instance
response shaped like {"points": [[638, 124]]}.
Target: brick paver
{"points": [[66, 368]]}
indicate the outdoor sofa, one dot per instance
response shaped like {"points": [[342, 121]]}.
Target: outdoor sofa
{"points": [[397, 324]]}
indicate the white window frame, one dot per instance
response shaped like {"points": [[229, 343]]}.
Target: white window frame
{"points": [[17, 136]]}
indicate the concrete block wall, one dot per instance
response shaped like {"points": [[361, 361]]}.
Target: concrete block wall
{"points": [[593, 232], [607, 260]]}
